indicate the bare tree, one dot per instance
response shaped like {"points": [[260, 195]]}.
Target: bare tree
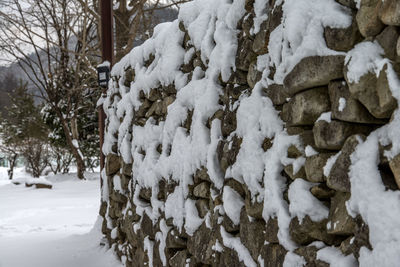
{"points": [[55, 44], [136, 19], [11, 155]]}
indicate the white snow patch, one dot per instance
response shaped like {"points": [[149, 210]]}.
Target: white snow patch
{"points": [[329, 163], [293, 260], [310, 151], [235, 244], [342, 104], [303, 203], [335, 258], [326, 116], [233, 204]]}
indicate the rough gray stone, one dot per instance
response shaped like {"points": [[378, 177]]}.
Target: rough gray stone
{"points": [[353, 110], [349, 3], [253, 76], [342, 39], [395, 167], [290, 172], [200, 244], [398, 47], [202, 206], [129, 77], [253, 208], [312, 72], [294, 152], [145, 193], [305, 107], [314, 167], [245, 54], [175, 241], [331, 136], [386, 101], [229, 226], [250, 233], [229, 258], [387, 38], [261, 39], [228, 123], [273, 255], [260, 44], [366, 91], [202, 190], [201, 175], [321, 191], [271, 230], [235, 185], [308, 231], [113, 164], [147, 227], [179, 259], [389, 12], [338, 178], [352, 244], [309, 253], [367, 18], [154, 94], [340, 222], [166, 102], [276, 93]]}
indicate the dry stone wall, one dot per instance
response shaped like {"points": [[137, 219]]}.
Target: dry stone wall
{"points": [[231, 156]]}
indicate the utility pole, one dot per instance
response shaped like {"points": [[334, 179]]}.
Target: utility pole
{"points": [[107, 51]]}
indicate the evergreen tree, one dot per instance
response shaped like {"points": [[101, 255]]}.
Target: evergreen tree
{"points": [[24, 132]]}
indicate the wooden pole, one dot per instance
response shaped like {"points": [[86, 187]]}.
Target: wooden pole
{"points": [[107, 52]]}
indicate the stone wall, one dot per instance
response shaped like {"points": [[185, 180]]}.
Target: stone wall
{"points": [[326, 111]]}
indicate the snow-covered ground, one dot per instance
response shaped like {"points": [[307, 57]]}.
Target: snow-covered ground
{"points": [[47, 228]]}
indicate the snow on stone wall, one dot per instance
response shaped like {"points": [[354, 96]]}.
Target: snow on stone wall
{"points": [[257, 133]]}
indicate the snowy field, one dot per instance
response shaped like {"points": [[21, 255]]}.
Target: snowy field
{"points": [[47, 228]]}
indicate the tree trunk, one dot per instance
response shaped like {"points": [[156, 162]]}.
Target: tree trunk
{"points": [[80, 164], [12, 160]]}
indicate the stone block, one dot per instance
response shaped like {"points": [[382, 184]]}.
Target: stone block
{"points": [[245, 54], [276, 93], [200, 244], [308, 231], [349, 3], [309, 253], [314, 167], [342, 39], [340, 222], [113, 164], [271, 230], [332, 135], [312, 72], [202, 190], [253, 76], [174, 241], [389, 12], [346, 108], [290, 172], [338, 178], [250, 233], [367, 18], [305, 107], [273, 255], [395, 167], [386, 39], [322, 192]]}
